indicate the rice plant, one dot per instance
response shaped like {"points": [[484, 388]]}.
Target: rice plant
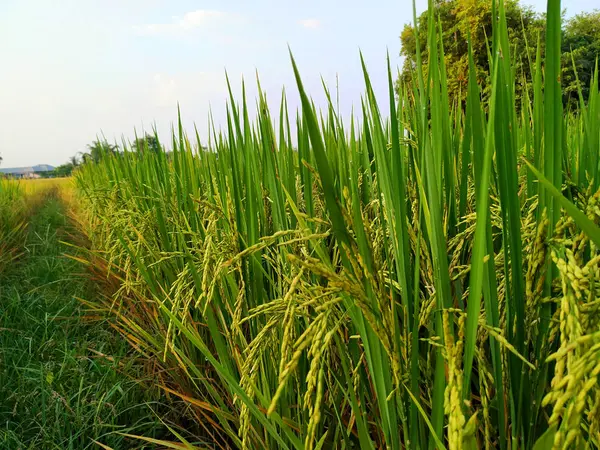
{"points": [[12, 221], [423, 277]]}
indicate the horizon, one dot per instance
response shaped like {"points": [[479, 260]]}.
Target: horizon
{"points": [[5, 169], [112, 68]]}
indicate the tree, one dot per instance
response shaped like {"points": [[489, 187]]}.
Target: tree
{"points": [[459, 18], [147, 143], [581, 44], [97, 149], [64, 170]]}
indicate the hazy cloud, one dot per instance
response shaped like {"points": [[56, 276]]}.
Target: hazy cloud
{"points": [[310, 23], [190, 21], [169, 89]]}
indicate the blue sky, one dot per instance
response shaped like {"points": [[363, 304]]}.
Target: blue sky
{"points": [[74, 68]]}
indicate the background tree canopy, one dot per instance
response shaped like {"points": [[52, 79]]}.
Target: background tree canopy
{"points": [[147, 143], [97, 149], [581, 43], [458, 18]]}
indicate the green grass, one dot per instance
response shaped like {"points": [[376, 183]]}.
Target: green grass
{"points": [[58, 391]]}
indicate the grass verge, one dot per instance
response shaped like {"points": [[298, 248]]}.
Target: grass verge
{"points": [[58, 389]]}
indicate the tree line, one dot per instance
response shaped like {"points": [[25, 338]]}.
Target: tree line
{"points": [[100, 148]]}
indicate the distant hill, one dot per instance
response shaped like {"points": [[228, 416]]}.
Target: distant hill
{"points": [[23, 170]]}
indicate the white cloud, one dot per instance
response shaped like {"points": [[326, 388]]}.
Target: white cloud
{"points": [[198, 18], [310, 23], [190, 21], [165, 90], [187, 88]]}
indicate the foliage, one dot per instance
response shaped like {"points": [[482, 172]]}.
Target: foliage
{"points": [[461, 19], [148, 143], [581, 46], [64, 170], [401, 281], [464, 19], [97, 150]]}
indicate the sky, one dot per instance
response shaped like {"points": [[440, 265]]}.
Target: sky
{"points": [[74, 69]]}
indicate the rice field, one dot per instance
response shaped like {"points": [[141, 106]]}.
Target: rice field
{"points": [[420, 277], [423, 276]]}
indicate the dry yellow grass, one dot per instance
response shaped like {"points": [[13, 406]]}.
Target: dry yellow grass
{"points": [[33, 187]]}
